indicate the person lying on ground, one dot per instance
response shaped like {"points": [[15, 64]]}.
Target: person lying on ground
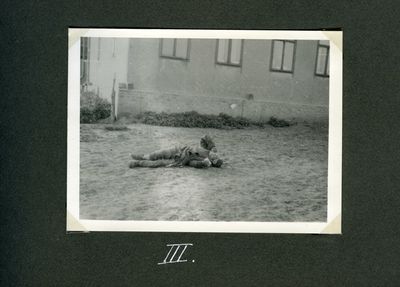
{"points": [[202, 156]]}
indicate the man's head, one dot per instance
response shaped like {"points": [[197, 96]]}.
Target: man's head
{"points": [[207, 143], [198, 153]]}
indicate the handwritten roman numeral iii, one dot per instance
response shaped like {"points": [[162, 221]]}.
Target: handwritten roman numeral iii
{"points": [[175, 253]]}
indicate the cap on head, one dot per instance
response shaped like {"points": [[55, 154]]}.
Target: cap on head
{"points": [[207, 143]]}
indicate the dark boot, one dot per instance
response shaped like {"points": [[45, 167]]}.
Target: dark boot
{"points": [[217, 163], [134, 163], [137, 156]]}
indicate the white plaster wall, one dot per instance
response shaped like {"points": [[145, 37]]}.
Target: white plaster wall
{"points": [[107, 60], [200, 76], [203, 85]]}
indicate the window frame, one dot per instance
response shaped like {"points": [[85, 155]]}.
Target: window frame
{"points": [[84, 61], [325, 74], [174, 57], [281, 70], [229, 62]]}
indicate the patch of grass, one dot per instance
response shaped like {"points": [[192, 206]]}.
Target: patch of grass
{"points": [[116, 127]]}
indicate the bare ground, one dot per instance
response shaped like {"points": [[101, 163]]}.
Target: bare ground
{"points": [[269, 174]]}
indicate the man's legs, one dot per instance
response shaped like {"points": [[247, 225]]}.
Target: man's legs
{"points": [[159, 154], [151, 163]]}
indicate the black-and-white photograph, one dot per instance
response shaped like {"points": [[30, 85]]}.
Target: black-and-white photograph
{"points": [[204, 129]]}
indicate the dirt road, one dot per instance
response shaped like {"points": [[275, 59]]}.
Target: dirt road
{"points": [[269, 174]]}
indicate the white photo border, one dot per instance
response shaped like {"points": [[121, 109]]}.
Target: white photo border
{"points": [[334, 209]]}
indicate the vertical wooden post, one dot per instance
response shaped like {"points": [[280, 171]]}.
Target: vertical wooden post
{"points": [[113, 101], [241, 112]]}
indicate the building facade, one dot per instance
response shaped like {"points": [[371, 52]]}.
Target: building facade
{"points": [[255, 79]]}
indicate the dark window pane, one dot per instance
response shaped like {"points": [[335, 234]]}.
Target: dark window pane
{"points": [[167, 47], [181, 48], [277, 55], [236, 51], [288, 56], [84, 48], [321, 60], [222, 53], [327, 68], [82, 69]]}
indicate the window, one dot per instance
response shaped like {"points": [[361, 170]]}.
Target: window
{"points": [[322, 62], [282, 56], [229, 52], [175, 49], [84, 60]]}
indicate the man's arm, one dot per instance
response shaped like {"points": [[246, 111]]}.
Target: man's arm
{"points": [[200, 163]]}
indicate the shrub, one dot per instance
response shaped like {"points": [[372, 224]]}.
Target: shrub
{"points": [[194, 119], [278, 123], [87, 115], [102, 109], [118, 127], [94, 108]]}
